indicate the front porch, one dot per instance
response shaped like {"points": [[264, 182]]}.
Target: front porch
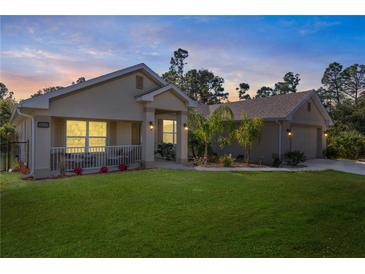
{"points": [[91, 144]]}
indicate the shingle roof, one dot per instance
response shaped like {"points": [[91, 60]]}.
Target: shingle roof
{"points": [[273, 107]]}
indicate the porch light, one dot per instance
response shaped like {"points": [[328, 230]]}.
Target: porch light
{"points": [[186, 126], [326, 134], [151, 125], [289, 132]]}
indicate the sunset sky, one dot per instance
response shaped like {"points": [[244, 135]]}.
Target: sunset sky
{"points": [[42, 51]]}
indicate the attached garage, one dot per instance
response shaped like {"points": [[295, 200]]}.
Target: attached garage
{"points": [[305, 139], [301, 114]]}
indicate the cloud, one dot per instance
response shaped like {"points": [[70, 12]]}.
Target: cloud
{"points": [[148, 34], [96, 52], [317, 26], [32, 53]]}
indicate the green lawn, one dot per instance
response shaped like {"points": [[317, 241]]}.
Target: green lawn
{"points": [[168, 213]]}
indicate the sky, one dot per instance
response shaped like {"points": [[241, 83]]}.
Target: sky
{"points": [[43, 51]]}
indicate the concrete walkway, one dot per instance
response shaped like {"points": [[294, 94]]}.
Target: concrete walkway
{"points": [[348, 166]]}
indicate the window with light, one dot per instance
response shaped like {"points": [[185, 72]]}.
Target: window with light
{"points": [[169, 131], [84, 136]]}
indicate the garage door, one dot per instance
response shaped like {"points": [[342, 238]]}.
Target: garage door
{"points": [[305, 139]]}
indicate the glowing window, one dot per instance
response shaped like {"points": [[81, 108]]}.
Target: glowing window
{"points": [[169, 131], [84, 136], [97, 129]]}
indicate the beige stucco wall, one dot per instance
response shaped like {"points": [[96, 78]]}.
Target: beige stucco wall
{"points": [[113, 99], [313, 117], [58, 126], [262, 150], [305, 139], [124, 133], [136, 133], [167, 101]]}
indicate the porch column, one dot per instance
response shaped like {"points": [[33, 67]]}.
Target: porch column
{"points": [[148, 136], [182, 138], [42, 165]]}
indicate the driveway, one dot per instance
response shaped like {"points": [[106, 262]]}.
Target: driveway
{"points": [[311, 165], [348, 166]]}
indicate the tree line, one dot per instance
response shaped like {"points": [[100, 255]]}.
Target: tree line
{"points": [[342, 92]]}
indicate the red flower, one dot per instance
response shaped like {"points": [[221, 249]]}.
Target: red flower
{"points": [[104, 169], [78, 170], [122, 167]]}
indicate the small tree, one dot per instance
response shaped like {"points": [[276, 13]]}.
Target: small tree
{"points": [[7, 104], [248, 131], [205, 128]]}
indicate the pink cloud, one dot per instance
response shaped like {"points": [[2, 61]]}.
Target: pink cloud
{"points": [[24, 84]]}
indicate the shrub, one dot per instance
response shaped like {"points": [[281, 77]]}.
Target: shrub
{"points": [[24, 169], [213, 158], [122, 167], [198, 161], [240, 158], [227, 160], [15, 166], [78, 170], [295, 157], [167, 151], [104, 169], [276, 162], [346, 144], [330, 152]]}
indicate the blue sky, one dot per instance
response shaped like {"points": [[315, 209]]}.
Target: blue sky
{"points": [[41, 51]]}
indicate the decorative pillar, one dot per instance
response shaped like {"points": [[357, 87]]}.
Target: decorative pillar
{"points": [[148, 136], [182, 137], [42, 145]]}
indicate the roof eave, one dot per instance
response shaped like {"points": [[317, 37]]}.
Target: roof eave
{"points": [[149, 97]]}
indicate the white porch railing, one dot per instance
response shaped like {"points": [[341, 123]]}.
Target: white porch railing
{"points": [[68, 158]]}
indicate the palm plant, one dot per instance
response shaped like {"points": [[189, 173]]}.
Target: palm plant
{"points": [[205, 128], [248, 131]]}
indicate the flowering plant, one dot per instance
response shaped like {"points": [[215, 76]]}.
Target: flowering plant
{"points": [[78, 170], [104, 169], [122, 167]]}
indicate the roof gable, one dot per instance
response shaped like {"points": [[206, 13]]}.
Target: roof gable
{"points": [[149, 96], [42, 101]]}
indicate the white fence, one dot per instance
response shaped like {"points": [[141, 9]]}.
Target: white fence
{"points": [[69, 158]]}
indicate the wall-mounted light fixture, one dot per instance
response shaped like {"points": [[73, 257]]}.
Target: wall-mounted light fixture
{"points": [[151, 125], [186, 126], [290, 133], [326, 133]]}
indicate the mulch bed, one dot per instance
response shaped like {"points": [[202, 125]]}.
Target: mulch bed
{"points": [[235, 164]]}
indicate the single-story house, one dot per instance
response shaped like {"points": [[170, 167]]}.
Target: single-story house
{"points": [[116, 118], [122, 116], [295, 121]]}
